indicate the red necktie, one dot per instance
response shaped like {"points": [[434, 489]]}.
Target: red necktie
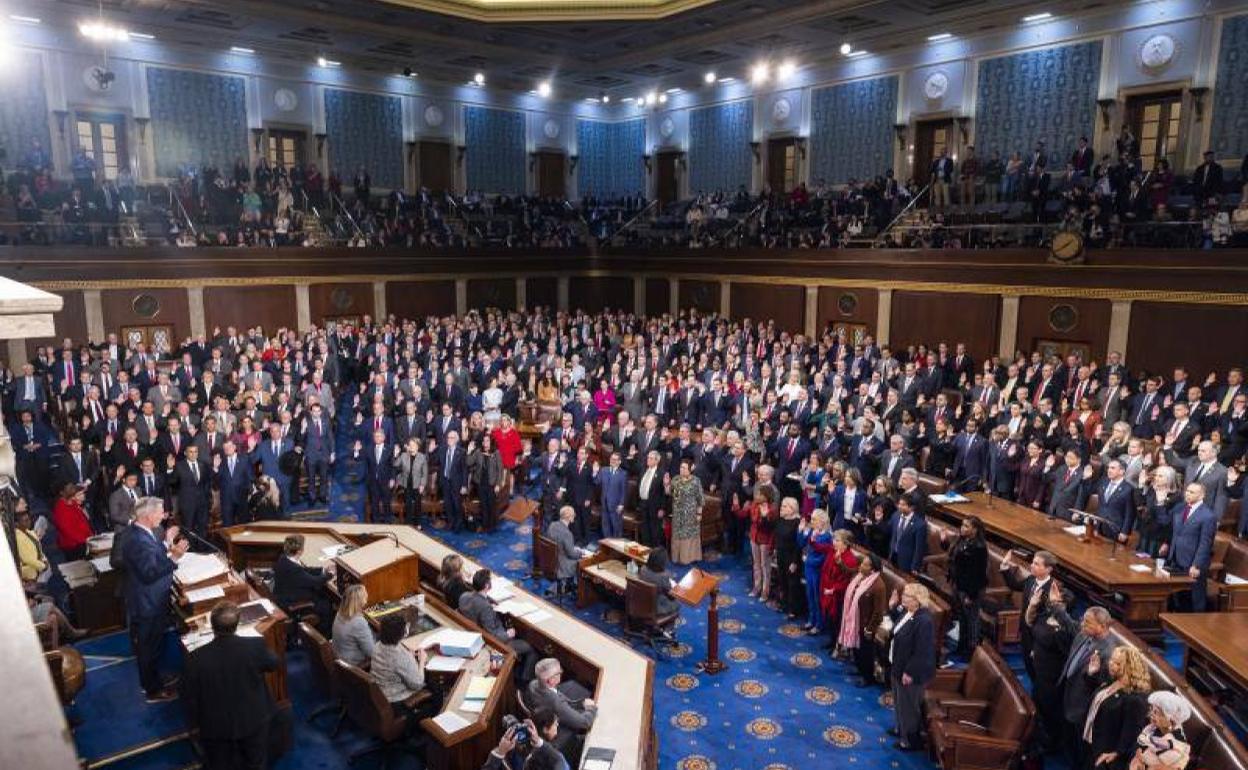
{"points": [[1187, 511]]}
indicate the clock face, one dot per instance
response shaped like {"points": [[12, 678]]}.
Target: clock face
{"points": [[98, 79], [936, 85], [781, 110], [285, 99], [434, 116], [1158, 51], [551, 129], [667, 127]]}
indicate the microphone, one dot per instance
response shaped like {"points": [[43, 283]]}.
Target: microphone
{"points": [[211, 547], [390, 535]]}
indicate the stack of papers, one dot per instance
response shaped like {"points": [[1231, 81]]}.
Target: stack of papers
{"points": [[479, 689], [102, 564], [330, 551], [499, 594], [515, 608], [454, 643], [1235, 580], [78, 573], [197, 567], [205, 594], [949, 497], [450, 722], [101, 543], [1077, 531], [445, 664]]}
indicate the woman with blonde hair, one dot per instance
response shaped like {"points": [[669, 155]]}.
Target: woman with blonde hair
{"points": [[1118, 713], [839, 568], [912, 652], [1161, 495], [352, 637]]}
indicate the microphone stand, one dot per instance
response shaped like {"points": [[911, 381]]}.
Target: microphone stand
{"points": [[197, 538], [390, 535]]}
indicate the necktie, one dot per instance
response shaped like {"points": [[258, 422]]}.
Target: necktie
{"points": [[1187, 511], [149, 486], [1200, 472], [195, 471], [1109, 491], [230, 464]]}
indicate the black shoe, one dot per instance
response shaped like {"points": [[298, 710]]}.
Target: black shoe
{"points": [[164, 696], [894, 732]]}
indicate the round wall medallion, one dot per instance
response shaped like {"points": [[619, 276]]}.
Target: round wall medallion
{"points": [[98, 79], [936, 85], [1063, 318], [847, 303], [434, 116], [667, 127], [285, 99], [341, 298], [1157, 52], [551, 129], [781, 110], [145, 306]]}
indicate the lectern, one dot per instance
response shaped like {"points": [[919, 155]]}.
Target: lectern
{"points": [[691, 590], [387, 570]]}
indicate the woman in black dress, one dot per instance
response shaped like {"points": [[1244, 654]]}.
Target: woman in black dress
{"points": [[1118, 712], [968, 573], [942, 452], [878, 528], [1029, 487], [789, 562]]}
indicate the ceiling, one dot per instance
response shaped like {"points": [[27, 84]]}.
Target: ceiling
{"points": [[583, 58]]}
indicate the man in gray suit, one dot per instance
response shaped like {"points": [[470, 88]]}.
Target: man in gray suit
{"points": [[121, 501], [1112, 403], [632, 397], [411, 469], [1205, 470], [560, 531], [1086, 669], [570, 702], [475, 605]]}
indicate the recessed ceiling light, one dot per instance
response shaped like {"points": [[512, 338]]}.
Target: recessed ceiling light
{"points": [[241, 49], [543, 89], [24, 19], [662, 98], [140, 36], [101, 31], [939, 37], [787, 69], [708, 78], [652, 97], [846, 48], [479, 78], [605, 99], [856, 54], [1037, 17], [761, 72], [321, 61]]}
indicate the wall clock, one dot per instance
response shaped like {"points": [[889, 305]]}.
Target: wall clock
{"points": [[551, 129], [434, 116], [98, 79], [781, 109], [667, 127], [1158, 51], [285, 99], [936, 85]]}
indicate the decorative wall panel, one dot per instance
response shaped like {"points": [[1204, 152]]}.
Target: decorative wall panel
{"points": [[197, 119], [495, 157], [720, 158], [1229, 138], [851, 130], [365, 130], [609, 164]]}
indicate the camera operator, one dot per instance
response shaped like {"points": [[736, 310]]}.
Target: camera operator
{"points": [[528, 745]]}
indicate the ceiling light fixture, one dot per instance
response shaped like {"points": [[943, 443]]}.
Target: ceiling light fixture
{"points": [[479, 78], [787, 69], [846, 48], [939, 37], [856, 54], [663, 98], [761, 72], [98, 30], [1037, 17], [140, 36], [605, 99], [321, 61], [25, 19], [544, 89], [708, 78], [651, 98], [241, 49]]}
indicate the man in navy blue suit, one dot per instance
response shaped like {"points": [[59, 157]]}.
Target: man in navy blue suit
{"points": [[149, 567], [270, 453], [318, 453], [1193, 526], [379, 462], [1117, 501], [971, 458], [453, 480], [234, 477], [865, 450], [612, 483], [909, 539]]}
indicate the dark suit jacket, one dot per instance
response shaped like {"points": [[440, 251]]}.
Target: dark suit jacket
{"points": [[149, 574], [294, 583], [192, 495], [1117, 725], [909, 544], [914, 648], [970, 457], [223, 687], [457, 474], [478, 609], [234, 487]]}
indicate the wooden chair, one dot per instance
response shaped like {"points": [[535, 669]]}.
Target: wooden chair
{"points": [[325, 673], [371, 712], [547, 555], [641, 614], [69, 670]]}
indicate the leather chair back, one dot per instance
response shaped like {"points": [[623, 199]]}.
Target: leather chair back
{"points": [[641, 602], [1012, 712], [366, 706], [321, 656], [547, 558], [984, 674]]}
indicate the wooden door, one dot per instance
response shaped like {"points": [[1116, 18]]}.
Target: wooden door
{"points": [[1156, 119], [435, 170], [286, 147], [551, 175], [668, 183], [103, 137], [782, 164], [931, 136]]}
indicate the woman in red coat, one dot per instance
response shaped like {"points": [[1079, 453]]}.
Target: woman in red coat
{"points": [[509, 445], [839, 568], [71, 522]]}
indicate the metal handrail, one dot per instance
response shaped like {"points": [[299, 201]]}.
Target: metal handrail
{"points": [[173, 198], [464, 217], [335, 199], [636, 217], [880, 236], [719, 241]]}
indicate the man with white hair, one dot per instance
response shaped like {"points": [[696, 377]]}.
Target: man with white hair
{"points": [[150, 561]]}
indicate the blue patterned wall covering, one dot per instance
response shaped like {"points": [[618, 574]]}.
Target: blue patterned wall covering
{"points": [[197, 118], [23, 109], [719, 147], [365, 130], [1047, 95], [851, 130], [1230, 94], [610, 164], [496, 154]]}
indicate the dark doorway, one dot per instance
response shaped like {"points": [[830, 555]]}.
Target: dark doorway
{"points": [[434, 172], [930, 138], [782, 164], [1156, 120], [667, 187], [551, 174]]}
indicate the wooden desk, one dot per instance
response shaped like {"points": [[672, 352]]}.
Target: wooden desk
{"points": [[272, 629], [385, 568], [247, 546], [615, 673], [1138, 596], [1215, 645]]}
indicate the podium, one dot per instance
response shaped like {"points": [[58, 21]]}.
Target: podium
{"points": [[386, 569], [695, 586]]}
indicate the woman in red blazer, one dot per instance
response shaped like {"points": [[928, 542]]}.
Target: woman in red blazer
{"points": [[72, 525]]}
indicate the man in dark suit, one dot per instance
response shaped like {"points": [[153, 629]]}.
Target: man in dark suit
{"points": [[452, 480], [27, 391], [1204, 469], [1035, 593], [651, 502], [269, 452], [1067, 480], [1117, 501], [896, 459], [908, 542], [411, 424], [475, 605], [612, 483], [234, 477], [191, 478], [1193, 526], [970, 461], [445, 423], [294, 583], [151, 483], [1081, 677], [317, 445], [1145, 414], [149, 567], [226, 695], [379, 463], [1207, 179], [580, 488]]}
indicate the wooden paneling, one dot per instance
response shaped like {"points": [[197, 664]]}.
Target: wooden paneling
{"points": [[786, 305], [118, 310], [70, 321], [542, 292], [337, 300], [596, 293], [419, 299], [492, 292], [271, 307], [862, 306], [1202, 337], [1043, 318], [702, 295], [934, 317], [658, 296]]}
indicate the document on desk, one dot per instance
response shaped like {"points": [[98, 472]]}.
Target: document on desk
{"points": [[444, 663], [198, 567], [515, 608], [948, 497], [540, 616], [450, 722], [499, 594], [480, 688], [1235, 580], [205, 594], [102, 564], [330, 551], [598, 759], [472, 706], [1078, 531]]}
